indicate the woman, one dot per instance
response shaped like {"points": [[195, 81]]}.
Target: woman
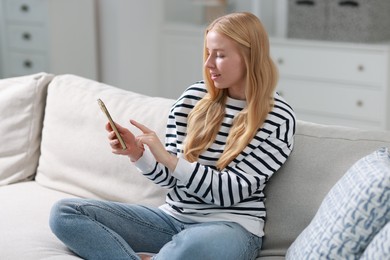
{"points": [[225, 138]]}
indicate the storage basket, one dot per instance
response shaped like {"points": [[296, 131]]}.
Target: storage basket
{"points": [[339, 20], [306, 19], [359, 20]]}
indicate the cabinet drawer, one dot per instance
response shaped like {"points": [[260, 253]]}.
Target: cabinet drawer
{"points": [[25, 11], [23, 64], [345, 65], [337, 100], [26, 37]]}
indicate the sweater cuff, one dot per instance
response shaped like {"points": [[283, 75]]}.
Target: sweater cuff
{"points": [[146, 162], [183, 170]]}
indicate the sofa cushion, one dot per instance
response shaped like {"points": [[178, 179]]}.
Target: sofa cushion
{"points": [[321, 156], [24, 223], [75, 155], [352, 213], [22, 101]]}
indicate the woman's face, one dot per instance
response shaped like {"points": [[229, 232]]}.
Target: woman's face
{"points": [[225, 64]]}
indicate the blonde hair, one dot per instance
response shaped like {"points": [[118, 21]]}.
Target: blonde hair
{"points": [[261, 76]]}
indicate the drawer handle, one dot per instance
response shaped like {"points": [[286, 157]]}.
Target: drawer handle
{"points": [[349, 3], [307, 3], [26, 36], [280, 61], [360, 68], [359, 103], [28, 64], [24, 8]]}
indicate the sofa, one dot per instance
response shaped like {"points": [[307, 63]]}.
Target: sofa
{"points": [[53, 145]]}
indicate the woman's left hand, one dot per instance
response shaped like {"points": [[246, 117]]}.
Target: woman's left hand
{"points": [[150, 138]]}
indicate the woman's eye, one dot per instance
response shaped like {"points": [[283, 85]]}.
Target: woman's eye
{"points": [[215, 55]]}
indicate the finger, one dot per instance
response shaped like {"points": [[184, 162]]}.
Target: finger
{"points": [[114, 143], [111, 135], [120, 128], [108, 127], [141, 127], [146, 139], [117, 151]]}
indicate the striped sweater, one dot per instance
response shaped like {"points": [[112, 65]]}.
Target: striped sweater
{"points": [[198, 192]]}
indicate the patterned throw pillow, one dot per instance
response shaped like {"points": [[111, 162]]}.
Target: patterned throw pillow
{"points": [[352, 213], [379, 248]]}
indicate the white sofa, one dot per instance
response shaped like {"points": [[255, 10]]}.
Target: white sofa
{"points": [[53, 145]]}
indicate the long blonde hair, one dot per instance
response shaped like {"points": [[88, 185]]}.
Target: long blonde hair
{"points": [[261, 76]]}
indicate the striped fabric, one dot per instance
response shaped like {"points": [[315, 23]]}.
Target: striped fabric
{"points": [[198, 192]]}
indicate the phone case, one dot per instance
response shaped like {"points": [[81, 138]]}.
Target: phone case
{"points": [[105, 111]]}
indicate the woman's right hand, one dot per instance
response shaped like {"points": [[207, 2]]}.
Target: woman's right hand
{"points": [[134, 149]]}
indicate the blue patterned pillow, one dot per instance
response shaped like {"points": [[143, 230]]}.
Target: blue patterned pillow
{"points": [[379, 248], [351, 214]]}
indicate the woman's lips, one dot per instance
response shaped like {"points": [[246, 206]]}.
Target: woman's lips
{"points": [[214, 76]]}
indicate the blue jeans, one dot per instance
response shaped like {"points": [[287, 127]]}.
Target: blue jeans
{"points": [[95, 229]]}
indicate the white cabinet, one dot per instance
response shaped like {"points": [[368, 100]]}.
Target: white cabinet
{"points": [[335, 83], [56, 36]]}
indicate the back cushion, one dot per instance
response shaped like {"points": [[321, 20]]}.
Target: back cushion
{"points": [[22, 101], [321, 156], [352, 213], [75, 155]]}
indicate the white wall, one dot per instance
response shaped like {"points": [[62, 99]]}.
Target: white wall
{"points": [[130, 33]]}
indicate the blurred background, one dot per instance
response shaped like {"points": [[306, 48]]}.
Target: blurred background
{"points": [[333, 55]]}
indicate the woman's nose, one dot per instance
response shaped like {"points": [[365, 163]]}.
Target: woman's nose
{"points": [[208, 63]]}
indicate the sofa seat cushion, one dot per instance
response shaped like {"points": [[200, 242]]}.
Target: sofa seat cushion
{"points": [[75, 154], [351, 214], [24, 218], [22, 101]]}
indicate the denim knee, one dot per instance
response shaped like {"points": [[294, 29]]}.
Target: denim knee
{"points": [[60, 211]]}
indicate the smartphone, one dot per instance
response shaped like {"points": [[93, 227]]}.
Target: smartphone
{"points": [[113, 126]]}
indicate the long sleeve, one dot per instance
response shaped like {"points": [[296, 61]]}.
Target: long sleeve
{"points": [[174, 137]]}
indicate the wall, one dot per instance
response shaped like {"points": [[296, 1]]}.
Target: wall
{"points": [[129, 37], [136, 52]]}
